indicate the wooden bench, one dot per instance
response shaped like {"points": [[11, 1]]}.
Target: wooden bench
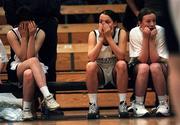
{"points": [[72, 58], [78, 9], [90, 9], [70, 85], [67, 33]]}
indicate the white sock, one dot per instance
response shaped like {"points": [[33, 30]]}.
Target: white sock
{"points": [[93, 98], [139, 99], [27, 105], [122, 97], [45, 91], [162, 98]]}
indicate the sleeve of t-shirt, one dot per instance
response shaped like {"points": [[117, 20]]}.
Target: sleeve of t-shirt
{"points": [[162, 47], [134, 43]]}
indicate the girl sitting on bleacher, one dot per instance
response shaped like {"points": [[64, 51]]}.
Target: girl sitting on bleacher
{"points": [[107, 65], [24, 67]]}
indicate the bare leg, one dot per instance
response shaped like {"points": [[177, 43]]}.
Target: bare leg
{"points": [[92, 77], [34, 65], [31, 72], [121, 76], [92, 86], [158, 79], [28, 86], [174, 81], [141, 79]]}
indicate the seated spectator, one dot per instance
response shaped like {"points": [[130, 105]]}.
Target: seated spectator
{"points": [[3, 58], [24, 67], [148, 58], [107, 65]]}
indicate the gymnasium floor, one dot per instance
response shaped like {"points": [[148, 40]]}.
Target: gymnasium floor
{"points": [[108, 117]]}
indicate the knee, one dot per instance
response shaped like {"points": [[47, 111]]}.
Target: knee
{"points": [[143, 69], [91, 67], [121, 66], [155, 68], [28, 74]]}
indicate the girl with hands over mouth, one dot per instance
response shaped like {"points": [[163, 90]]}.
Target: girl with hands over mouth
{"points": [[148, 53], [107, 65]]}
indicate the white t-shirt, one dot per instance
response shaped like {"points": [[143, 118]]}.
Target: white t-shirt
{"points": [[136, 38]]}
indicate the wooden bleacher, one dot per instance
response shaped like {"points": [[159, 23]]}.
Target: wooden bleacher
{"points": [[72, 56], [91, 9]]}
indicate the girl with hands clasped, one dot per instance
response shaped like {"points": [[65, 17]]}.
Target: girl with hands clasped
{"points": [[107, 65], [24, 67], [148, 60]]}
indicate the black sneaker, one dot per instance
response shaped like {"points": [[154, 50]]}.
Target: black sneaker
{"points": [[122, 109], [47, 114], [93, 111]]}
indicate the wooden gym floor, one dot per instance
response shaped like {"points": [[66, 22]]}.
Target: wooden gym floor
{"points": [[108, 117]]}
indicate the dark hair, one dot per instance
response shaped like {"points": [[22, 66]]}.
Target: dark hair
{"points": [[24, 14], [111, 14], [145, 11]]}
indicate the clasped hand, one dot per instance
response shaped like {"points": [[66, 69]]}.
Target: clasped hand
{"points": [[149, 33], [27, 29], [105, 32]]}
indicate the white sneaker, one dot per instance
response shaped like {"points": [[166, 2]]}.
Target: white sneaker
{"points": [[140, 110], [51, 103], [27, 115], [130, 108], [163, 109]]}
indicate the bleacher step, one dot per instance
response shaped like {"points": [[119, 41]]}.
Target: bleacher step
{"points": [[105, 100]]}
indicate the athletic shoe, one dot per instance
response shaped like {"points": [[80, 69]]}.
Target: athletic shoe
{"points": [[123, 112], [139, 110], [130, 108], [27, 115], [93, 111], [51, 103], [162, 109]]}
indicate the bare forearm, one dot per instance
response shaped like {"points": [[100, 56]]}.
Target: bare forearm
{"points": [[144, 55], [116, 50], [31, 48], [23, 49], [94, 53], [153, 54]]}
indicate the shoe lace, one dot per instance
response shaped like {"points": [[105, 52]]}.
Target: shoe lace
{"points": [[131, 105], [27, 112], [52, 101], [140, 105], [49, 99], [162, 104], [92, 108], [123, 107]]}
